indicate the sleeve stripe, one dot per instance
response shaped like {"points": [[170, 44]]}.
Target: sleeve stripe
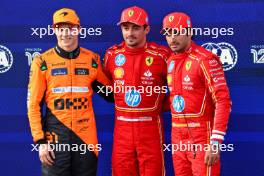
{"points": [[216, 136], [218, 132]]}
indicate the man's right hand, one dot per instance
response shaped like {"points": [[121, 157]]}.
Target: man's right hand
{"points": [[46, 155]]}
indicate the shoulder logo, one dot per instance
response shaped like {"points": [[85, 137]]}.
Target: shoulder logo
{"points": [[43, 66], [94, 64], [171, 66]]}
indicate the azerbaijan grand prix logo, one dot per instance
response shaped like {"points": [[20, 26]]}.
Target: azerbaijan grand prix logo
{"points": [[225, 51], [132, 98], [6, 59]]}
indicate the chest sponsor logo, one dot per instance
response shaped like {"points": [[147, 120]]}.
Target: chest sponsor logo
{"points": [[120, 60], [119, 73], [76, 103], [171, 66], [70, 89], [81, 71], [149, 61], [132, 98], [188, 65], [58, 64], [147, 78], [148, 73], [178, 103], [187, 78], [59, 71], [187, 84]]}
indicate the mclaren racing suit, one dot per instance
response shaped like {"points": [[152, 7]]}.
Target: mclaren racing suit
{"points": [[200, 106], [63, 81], [138, 136]]}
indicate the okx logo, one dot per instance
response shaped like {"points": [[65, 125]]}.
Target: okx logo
{"points": [[6, 59], [225, 51], [76, 103]]}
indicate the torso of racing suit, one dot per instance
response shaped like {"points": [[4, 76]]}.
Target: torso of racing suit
{"points": [[64, 83], [199, 95], [141, 68]]}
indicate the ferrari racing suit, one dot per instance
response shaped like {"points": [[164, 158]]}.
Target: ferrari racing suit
{"points": [[200, 107], [138, 133]]}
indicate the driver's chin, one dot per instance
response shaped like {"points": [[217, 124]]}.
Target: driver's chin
{"points": [[131, 43]]}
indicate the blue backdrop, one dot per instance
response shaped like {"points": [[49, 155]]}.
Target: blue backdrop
{"points": [[245, 79]]}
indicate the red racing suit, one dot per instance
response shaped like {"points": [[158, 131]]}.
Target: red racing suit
{"points": [[200, 107], [138, 136]]}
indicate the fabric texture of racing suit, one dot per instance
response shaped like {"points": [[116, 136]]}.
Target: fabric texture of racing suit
{"points": [[200, 106], [63, 81], [138, 133]]}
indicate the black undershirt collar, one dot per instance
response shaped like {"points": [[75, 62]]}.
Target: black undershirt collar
{"points": [[67, 55]]}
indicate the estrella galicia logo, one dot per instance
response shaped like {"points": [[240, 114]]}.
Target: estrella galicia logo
{"points": [[171, 66], [59, 71], [225, 51], [120, 60], [178, 103], [6, 59], [132, 98]]}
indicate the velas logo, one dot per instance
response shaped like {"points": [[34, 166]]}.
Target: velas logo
{"points": [[171, 18], [130, 13], [6, 59], [225, 51]]}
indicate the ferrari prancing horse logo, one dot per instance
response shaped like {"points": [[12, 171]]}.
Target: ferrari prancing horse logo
{"points": [[149, 61], [188, 65], [130, 13]]}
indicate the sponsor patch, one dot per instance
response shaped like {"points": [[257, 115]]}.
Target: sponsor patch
{"points": [[59, 71], [81, 71]]}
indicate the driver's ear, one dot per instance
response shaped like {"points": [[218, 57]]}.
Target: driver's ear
{"points": [[147, 29]]}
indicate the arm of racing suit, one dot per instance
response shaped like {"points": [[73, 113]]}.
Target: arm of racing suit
{"points": [[101, 83], [36, 90], [216, 83]]}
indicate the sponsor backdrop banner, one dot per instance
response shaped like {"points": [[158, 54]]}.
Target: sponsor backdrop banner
{"points": [[231, 29]]}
